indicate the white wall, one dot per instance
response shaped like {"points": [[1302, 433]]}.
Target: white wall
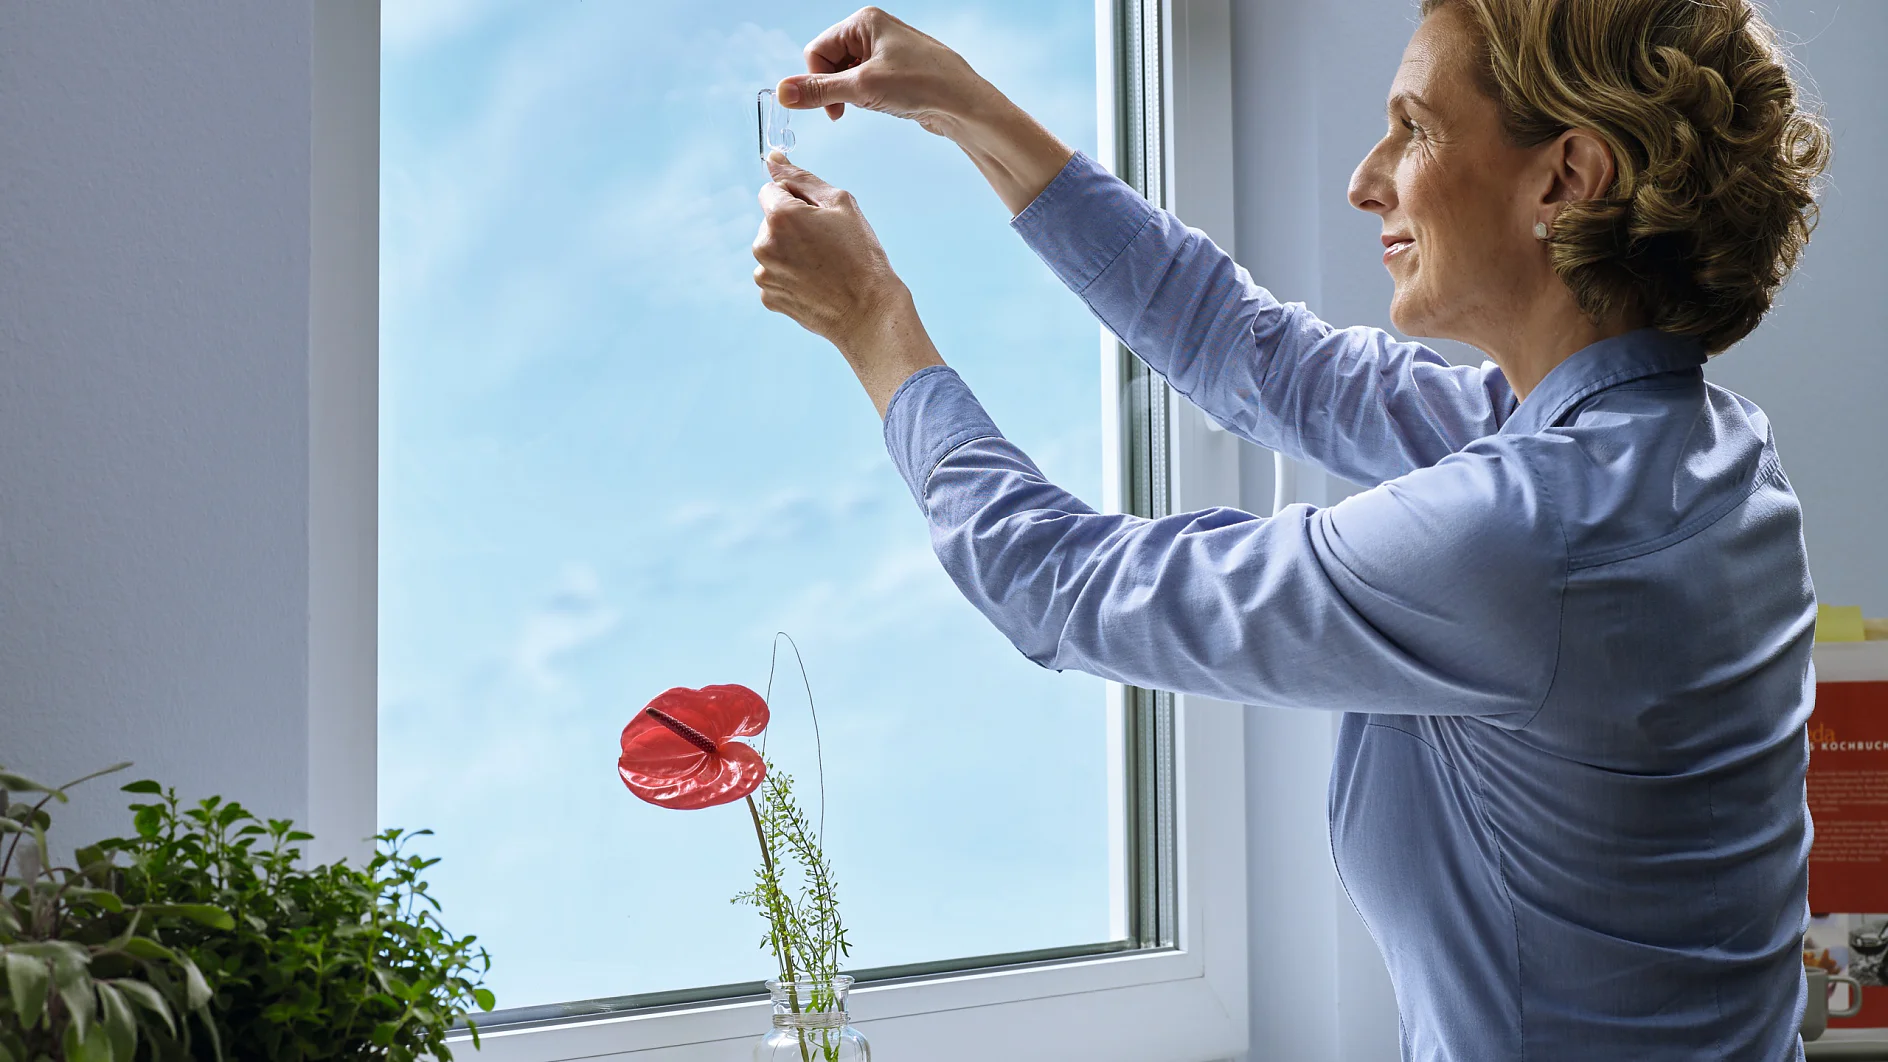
{"points": [[155, 398], [1310, 77]]}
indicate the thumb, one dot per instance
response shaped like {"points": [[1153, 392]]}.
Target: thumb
{"points": [[806, 91], [803, 183]]}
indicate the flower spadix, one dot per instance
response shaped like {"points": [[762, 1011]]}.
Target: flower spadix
{"points": [[680, 752]]}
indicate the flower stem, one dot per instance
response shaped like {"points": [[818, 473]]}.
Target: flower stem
{"points": [[773, 886], [781, 948]]}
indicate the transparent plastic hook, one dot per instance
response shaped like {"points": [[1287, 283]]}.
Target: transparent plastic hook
{"points": [[774, 134]]}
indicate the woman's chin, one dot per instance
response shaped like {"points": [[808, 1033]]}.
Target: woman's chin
{"points": [[1408, 313]]}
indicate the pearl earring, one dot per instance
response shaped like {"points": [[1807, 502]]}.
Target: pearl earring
{"points": [[1540, 230]]}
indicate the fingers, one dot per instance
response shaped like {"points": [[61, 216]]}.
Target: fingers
{"points": [[776, 197], [831, 91], [803, 184], [845, 44], [842, 47], [820, 64]]}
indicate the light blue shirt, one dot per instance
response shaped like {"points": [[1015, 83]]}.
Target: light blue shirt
{"points": [[1570, 638]]}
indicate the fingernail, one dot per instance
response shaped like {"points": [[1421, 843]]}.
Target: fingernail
{"points": [[789, 93]]}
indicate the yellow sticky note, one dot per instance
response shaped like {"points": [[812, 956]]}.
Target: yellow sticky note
{"points": [[1839, 623]]}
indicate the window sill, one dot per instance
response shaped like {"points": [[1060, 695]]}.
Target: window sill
{"points": [[1005, 1012]]}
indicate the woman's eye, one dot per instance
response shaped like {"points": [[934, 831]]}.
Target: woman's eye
{"points": [[1415, 130]]}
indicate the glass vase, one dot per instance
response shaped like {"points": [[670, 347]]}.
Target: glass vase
{"points": [[811, 1024]]}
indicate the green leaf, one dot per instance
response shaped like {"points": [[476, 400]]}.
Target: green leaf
{"points": [[58, 952], [121, 1027], [42, 849], [484, 998], [118, 942], [86, 1044], [113, 769], [200, 913], [146, 821], [216, 1038], [29, 980], [196, 989], [147, 997], [104, 898], [146, 948], [20, 784], [145, 786], [75, 990], [85, 857]]}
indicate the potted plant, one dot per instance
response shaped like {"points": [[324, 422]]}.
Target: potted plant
{"points": [[87, 975], [270, 959]]}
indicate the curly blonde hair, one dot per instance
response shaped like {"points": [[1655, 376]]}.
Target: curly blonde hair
{"points": [[1718, 158]]}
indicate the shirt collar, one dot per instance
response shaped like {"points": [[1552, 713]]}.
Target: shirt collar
{"points": [[1608, 363]]}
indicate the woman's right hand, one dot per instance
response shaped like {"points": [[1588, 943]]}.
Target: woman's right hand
{"points": [[874, 61]]}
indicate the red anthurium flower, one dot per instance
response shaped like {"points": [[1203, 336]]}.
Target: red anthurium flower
{"points": [[679, 752]]}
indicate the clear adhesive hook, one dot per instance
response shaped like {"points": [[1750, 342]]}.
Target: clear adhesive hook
{"points": [[774, 134]]}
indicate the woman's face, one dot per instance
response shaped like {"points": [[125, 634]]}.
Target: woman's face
{"points": [[1458, 202]]}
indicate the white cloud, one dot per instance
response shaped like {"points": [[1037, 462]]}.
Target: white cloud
{"points": [[902, 587], [734, 65], [787, 513], [446, 187], [683, 233], [574, 616]]}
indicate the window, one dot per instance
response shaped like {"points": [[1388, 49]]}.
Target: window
{"points": [[606, 470]]}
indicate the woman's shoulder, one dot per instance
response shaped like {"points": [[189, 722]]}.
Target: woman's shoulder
{"points": [[1486, 512], [1643, 467]]}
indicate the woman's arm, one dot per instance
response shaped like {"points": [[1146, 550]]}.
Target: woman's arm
{"points": [[1355, 401], [1436, 594]]}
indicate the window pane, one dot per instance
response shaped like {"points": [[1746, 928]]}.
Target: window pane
{"points": [[606, 470]]}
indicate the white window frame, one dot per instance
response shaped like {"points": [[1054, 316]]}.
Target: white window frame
{"points": [[1187, 1003]]}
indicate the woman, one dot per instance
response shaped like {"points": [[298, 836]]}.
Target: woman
{"points": [[1569, 625]]}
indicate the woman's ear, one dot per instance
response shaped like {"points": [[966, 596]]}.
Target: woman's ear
{"points": [[1582, 166]]}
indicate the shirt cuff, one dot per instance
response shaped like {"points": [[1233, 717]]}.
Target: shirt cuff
{"points": [[1082, 221], [931, 414]]}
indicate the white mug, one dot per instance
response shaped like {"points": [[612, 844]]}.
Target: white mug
{"points": [[1817, 1014]]}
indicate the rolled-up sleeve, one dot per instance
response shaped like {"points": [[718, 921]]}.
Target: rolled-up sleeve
{"points": [[1356, 401], [1435, 594]]}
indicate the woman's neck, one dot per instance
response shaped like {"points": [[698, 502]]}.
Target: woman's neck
{"points": [[1531, 344]]}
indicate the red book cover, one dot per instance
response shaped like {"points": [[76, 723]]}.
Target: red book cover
{"points": [[1848, 802], [1848, 797]]}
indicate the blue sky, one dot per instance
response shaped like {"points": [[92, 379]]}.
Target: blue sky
{"points": [[607, 470]]}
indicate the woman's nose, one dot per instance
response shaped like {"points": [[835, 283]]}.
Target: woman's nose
{"points": [[1370, 186]]}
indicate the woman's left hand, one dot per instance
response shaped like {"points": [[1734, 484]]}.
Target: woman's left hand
{"points": [[821, 264]]}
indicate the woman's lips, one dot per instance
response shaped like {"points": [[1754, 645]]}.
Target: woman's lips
{"points": [[1392, 247]]}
